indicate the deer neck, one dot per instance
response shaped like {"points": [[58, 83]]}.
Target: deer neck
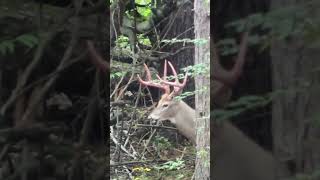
{"points": [[184, 121], [240, 155]]}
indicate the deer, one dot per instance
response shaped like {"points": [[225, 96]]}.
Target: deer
{"points": [[170, 108], [236, 156]]}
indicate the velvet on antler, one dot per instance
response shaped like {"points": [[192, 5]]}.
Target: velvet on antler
{"points": [[163, 83]]}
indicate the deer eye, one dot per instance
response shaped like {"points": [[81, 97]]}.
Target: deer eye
{"points": [[165, 105]]}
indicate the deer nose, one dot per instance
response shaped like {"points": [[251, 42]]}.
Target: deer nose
{"points": [[151, 116], [153, 119]]}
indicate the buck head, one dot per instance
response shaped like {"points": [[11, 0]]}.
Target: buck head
{"points": [[168, 107]]}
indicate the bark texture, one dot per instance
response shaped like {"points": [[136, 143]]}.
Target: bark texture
{"points": [[202, 55], [296, 139]]}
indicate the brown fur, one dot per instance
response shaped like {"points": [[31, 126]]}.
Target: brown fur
{"points": [[236, 156]]}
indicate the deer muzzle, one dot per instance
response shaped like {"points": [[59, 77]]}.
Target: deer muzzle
{"points": [[153, 118]]}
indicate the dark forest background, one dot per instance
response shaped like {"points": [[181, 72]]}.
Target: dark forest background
{"points": [[60, 59]]}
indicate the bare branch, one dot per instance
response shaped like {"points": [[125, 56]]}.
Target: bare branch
{"points": [[96, 59]]}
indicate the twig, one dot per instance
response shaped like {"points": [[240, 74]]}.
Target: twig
{"points": [[116, 142], [119, 103], [168, 54], [157, 126], [133, 150], [90, 114], [4, 151], [148, 141], [68, 53], [183, 153], [132, 120], [137, 162], [125, 87], [143, 137], [129, 173], [117, 86], [120, 133], [48, 36], [55, 73], [36, 60], [25, 159], [34, 131]]}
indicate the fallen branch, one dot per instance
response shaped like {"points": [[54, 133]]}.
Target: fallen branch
{"points": [[35, 102], [156, 126], [137, 162], [26, 74], [121, 146], [33, 132]]}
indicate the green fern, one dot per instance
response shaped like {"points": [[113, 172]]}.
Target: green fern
{"points": [[8, 46]]}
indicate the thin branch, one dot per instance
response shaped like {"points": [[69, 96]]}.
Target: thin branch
{"points": [[36, 60], [156, 126], [138, 162], [121, 146], [68, 53]]}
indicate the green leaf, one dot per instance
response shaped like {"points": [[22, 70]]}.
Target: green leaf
{"points": [[123, 42], [7, 46], [144, 40], [27, 40], [144, 11]]}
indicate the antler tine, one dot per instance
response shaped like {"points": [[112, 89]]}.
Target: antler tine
{"points": [[164, 73], [147, 71], [230, 77], [164, 78], [238, 68], [96, 58], [218, 70], [152, 84], [177, 86], [174, 72], [185, 79], [148, 75], [176, 83], [165, 70]]}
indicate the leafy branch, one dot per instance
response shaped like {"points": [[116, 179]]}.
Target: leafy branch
{"points": [[28, 40]]}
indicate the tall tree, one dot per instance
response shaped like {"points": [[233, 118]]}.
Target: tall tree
{"points": [[296, 139], [202, 56]]}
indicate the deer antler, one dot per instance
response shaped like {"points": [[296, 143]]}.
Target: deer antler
{"points": [[163, 82], [149, 81], [226, 79], [230, 77], [96, 59], [177, 86]]}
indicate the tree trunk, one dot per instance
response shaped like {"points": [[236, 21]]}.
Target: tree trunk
{"points": [[296, 139], [202, 56]]}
